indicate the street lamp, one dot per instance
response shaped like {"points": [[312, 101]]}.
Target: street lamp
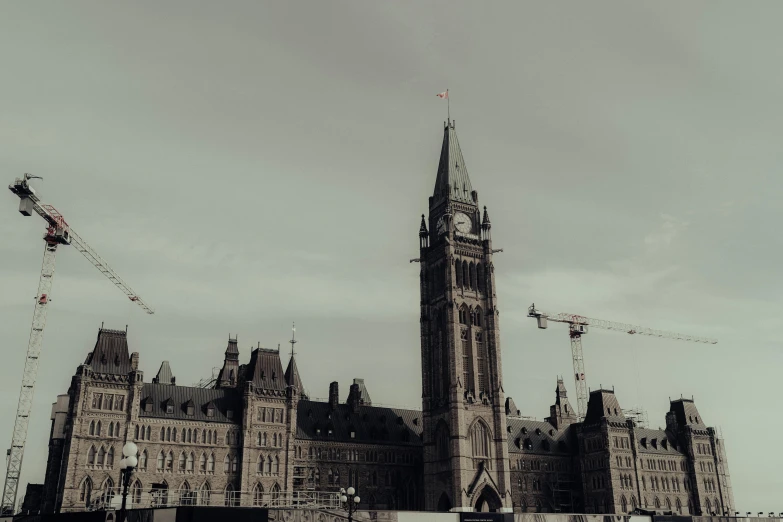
{"points": [[349, 501], [127, 466]]}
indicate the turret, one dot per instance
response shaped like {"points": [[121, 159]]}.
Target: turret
{"points": [[230, 372]]}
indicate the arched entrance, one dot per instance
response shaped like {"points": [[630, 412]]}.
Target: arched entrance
{"points": [[444, 504], [488, 501]]}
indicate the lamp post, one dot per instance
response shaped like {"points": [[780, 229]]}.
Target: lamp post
{"points": [[127, 466], [349, 501]]}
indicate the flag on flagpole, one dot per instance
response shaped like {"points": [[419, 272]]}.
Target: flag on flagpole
{"points": [[444, 94]]}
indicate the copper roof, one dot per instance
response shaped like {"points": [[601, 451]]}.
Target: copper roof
{"points": [[452, 181]]}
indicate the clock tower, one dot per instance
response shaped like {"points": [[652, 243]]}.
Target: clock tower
{"points": [[466, 465]]}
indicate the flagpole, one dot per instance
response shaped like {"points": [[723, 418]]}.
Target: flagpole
{"points": [[448, 106]]}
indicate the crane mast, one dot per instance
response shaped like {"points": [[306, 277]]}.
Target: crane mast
{"points": [[58, 232], [577, 327]]}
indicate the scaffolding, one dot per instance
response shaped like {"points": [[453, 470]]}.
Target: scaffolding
{"points": [[638, 415], [208, 382], [561, 489]]}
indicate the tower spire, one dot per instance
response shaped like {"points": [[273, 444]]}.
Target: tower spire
{"points": [[452, 182], [293, 338]]}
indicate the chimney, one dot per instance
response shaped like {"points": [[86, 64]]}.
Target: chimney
{"points": [[334, 396], [135, 361], [353, 398]]}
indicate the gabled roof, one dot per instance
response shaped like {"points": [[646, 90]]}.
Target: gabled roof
{"points": [[110, 355], [452, 181], [224, 399], [164, 375], [370, 424], [265, 370]]}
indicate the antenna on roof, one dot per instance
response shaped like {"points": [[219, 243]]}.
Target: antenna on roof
{"points": [[293, 338], [126, 328], [101, 325]]}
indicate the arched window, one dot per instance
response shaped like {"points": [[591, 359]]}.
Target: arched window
{"points": [[98, 429], [101, 456], [709, 506], [170, 461], [472, 276], [161, 458], [260, 464], [277, 465], [667, 503], [174, 435], [264, 440], [195, 436], [479, 439], [226, 465], [136, 432], [337, 477], [231, 497], [204, 436], [91, 456], [717, 506], [465, 274], [623, 505], [657, 503], [110, 457], [163, 434], [211, 463], [269, 464], [459, 275], [477, 317], [678, 505], [463, 315], [234, 462], [168, 434], [205, 493], [185, 496], [189, 435], [633, 502], [189, 466], [149, 433], [480, 277], [135, 493], [108, 488], [181, 462], [258, 495], [85, 492], [202, 463], [92, 427], [143, 460]]}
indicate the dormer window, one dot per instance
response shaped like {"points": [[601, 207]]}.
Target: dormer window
{"points": [[169, 406], [229, 414], [210, 410], [190, 409]]}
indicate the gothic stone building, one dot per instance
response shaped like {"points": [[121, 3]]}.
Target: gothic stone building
{"points": [[254, 435]]}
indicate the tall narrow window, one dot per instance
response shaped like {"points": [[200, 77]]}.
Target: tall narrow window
{"points": [[472, 276], [170, 461], [467, 367], [161, 458], [189, 466], [481, 362], [211, 463], [101, 456], [91, 456], [143, 460], [110, 457], [480, 277]]}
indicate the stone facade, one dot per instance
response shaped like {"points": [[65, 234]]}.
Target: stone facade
{"points": [[254, 434]]}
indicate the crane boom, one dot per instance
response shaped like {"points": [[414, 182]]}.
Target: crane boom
{"points": [[578, 327], [58, 233]]}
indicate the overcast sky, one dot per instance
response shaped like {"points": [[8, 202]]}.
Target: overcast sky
{"points": [[244, 165]]}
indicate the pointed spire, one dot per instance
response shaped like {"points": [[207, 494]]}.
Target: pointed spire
{"points": [[560, 392], [452, 181], [423, 227], [486, 222], [164, 375], [292, 372]]}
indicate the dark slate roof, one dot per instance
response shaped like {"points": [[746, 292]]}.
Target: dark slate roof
{"points": [[110, 355], [164, 375], [603, 403], [232, 347], [371, 424], [292, 375], [658, 442], [224, 399], [686, 413], [452, 172], [543, 437], [265, 370]]}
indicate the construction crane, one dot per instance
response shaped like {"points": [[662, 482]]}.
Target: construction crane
{"points": [[578, 327], [58, 232]]}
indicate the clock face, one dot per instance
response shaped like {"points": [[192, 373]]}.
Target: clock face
{"points": [[463, 222]]}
